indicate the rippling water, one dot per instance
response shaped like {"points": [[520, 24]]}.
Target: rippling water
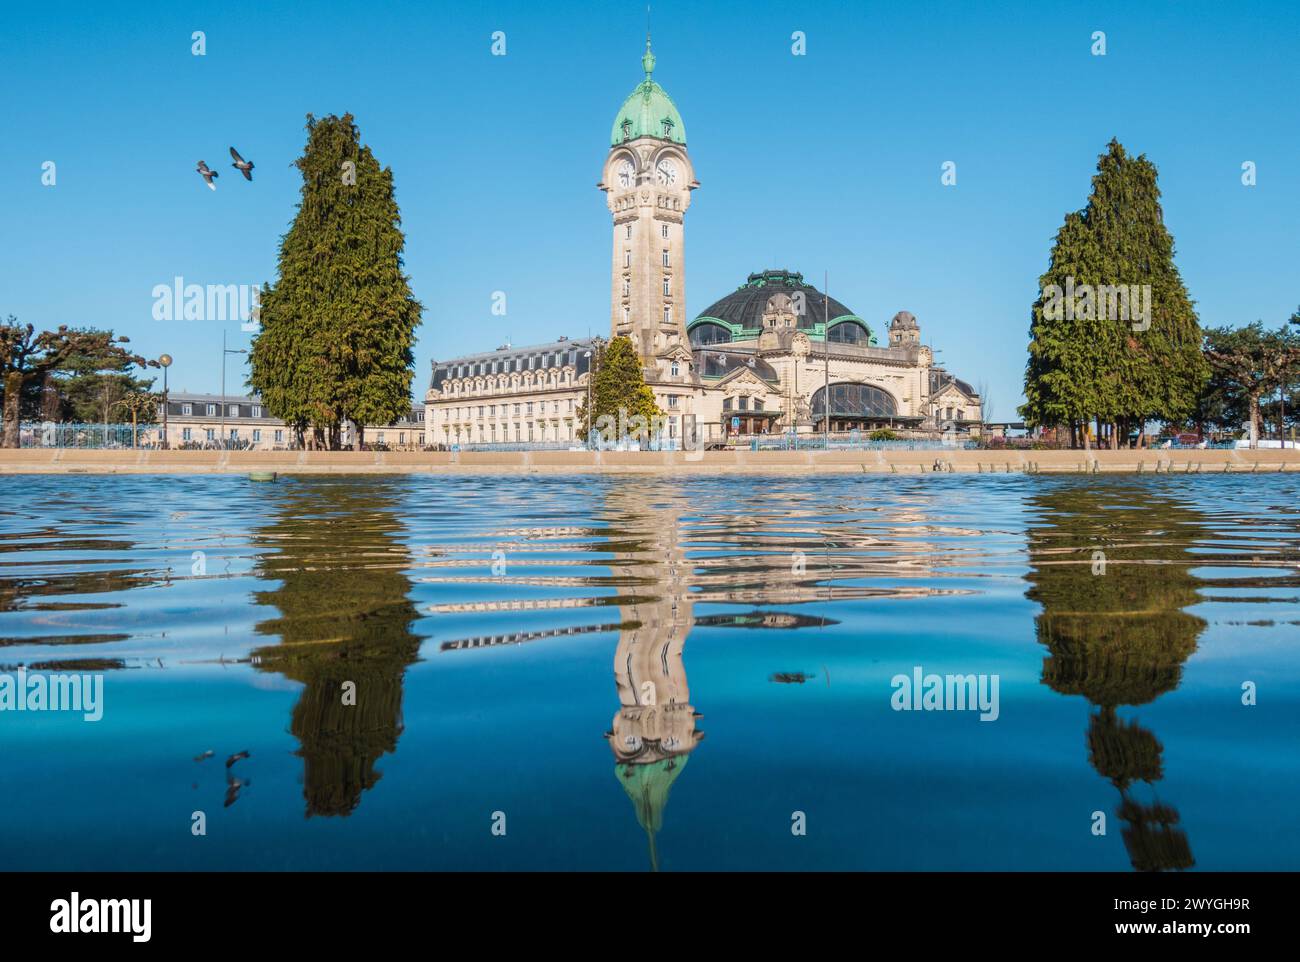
{"points": [[637, 672]]}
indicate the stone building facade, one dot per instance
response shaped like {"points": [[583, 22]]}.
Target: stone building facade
{"points": [[774, 356]]}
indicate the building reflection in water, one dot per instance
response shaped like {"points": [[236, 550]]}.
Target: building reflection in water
{"points": [[1117, 634], [344, 616], [654, 730], [790, 549]]}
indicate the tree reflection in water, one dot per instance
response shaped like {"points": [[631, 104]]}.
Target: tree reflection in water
{"points": [[344, 616], [1117, 634]]}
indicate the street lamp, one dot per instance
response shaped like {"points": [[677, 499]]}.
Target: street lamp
{"points": [[587, 354], [166, 361], [224, 351]]}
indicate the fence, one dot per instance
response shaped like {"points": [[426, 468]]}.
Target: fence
{"points": [[52, 434]]}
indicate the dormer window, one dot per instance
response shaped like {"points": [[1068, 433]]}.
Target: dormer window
{"points": [[627, 129], [668, 129]]}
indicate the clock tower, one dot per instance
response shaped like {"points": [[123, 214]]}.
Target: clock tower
{"points": [[647, 180]]}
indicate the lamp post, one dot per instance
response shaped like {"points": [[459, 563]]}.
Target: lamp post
{"points": [[166, 361], [591, 374], [826, 334], [224, 351]]}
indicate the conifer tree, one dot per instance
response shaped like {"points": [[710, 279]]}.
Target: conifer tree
{"points": [[618, 389], [1087, 364], [338, 325]]}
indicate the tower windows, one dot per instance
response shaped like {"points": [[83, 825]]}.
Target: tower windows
{"points": [[627, 287], [667, 260], [663, 231], [627, 258], [627, 314], [668, 315], [668, 287], [628, 235]]}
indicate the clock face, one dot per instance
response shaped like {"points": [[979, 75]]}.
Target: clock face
{"points": [[666, 173], [625, 174]]}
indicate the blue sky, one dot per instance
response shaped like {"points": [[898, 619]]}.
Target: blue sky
{"points": [[825, 162]]}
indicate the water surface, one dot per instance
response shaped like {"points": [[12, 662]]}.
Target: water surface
{"points": [[638, 672]]}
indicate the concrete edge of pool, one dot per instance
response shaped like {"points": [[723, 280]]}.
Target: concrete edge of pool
{"points": [[1152, 461]]}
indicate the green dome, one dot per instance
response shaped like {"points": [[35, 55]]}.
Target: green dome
{"points": [[648, 111]]}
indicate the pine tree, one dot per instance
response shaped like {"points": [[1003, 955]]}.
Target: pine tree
{"points": [[619, 393], [1119, 370], [338, 325]]}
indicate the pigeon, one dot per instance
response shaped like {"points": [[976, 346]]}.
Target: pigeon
{"points": [[207, 174], [205, 755], [234, 758], [245, 167]]}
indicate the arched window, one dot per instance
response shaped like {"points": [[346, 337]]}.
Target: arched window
{"points": [[708, 333], [853, 400], [849, 332]]}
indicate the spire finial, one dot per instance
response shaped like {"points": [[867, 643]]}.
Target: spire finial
{"points": [[648, 61]]}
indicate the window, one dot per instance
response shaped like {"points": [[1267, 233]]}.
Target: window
{"points": [[211, 434], [627, 258], [187, 409], [758, 404], [232, 410], [726, 404], [421, 439], [492, 410], [668, 315], [480, 410], [517, 410], [663, 230], [667, 262], [234, 434], [675, 369], [257, 437], [257, 410], [186, 434], [279, 437], [212, 410], [627, 287], [672, 400], [530, 411], [668, 287], [570, 405], [629, 232], [744, 404], [627, 314]]}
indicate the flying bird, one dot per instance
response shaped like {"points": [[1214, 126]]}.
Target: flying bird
{"points": [[205, 755], [245, 167], [236, 757], [207, 174]]}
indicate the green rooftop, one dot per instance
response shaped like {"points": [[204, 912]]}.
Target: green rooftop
{"points": [[648, 111]]}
